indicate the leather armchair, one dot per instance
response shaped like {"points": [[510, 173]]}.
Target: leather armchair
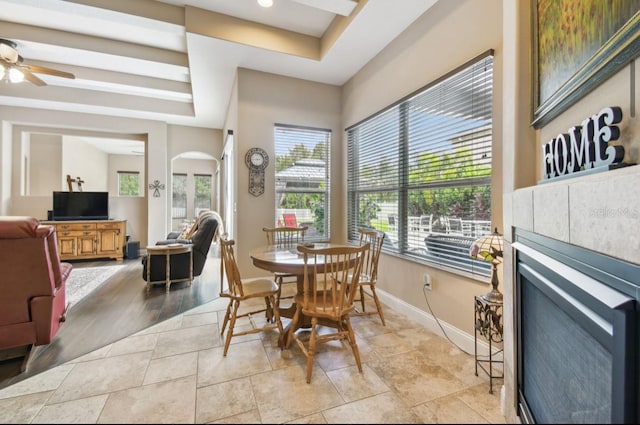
{"points": [[208, 226], [33, 283]]}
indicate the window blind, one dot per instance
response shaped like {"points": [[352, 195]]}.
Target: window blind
{"points": [[202, 199], [302, 170], [179, 195], [420, 170]]}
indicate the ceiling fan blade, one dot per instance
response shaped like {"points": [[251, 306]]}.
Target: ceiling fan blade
{"points": [[31, 77], [44, 70]]}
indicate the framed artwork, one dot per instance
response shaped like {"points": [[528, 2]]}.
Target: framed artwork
{"points": [[578, 44]]}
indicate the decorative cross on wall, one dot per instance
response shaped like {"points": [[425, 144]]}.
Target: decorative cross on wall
{"points": [[156, 186]]}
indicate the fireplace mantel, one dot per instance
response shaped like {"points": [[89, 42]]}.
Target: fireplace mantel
{"points": [[599, 212]]}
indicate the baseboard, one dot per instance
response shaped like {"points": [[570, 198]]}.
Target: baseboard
{"points": [[462, 339]]}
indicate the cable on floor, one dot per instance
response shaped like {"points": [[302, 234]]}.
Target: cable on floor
{"points": [[424, 290]]}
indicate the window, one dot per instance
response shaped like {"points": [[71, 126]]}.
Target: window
{"points": [[128, 183], [202, 193], [420, 170], [302, 178], [179, 196]]}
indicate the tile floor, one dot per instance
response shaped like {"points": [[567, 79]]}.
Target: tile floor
{"points": [[174, 372]]}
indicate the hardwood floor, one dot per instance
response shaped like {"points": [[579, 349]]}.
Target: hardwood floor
{"points": [[118, 308]]}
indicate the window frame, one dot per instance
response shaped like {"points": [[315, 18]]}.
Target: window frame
{"points": [[128, 173], [391, 126], [323, 187]]}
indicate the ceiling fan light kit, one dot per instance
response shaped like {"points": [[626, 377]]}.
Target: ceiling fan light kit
{"points": [[12, 75], [13, 69]]}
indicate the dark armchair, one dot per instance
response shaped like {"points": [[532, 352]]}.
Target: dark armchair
{"points": [[33, 283], [203, 233]]}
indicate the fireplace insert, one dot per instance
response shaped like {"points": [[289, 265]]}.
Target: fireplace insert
{"points": [[576, 334]]}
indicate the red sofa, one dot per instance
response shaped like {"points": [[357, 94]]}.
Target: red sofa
{"points": [[32, 283]]}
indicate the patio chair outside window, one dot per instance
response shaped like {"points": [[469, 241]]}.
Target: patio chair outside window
{"points": [[290, 220]]}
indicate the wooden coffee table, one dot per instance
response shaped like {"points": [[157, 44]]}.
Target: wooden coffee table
{"points": [[168, 251]]}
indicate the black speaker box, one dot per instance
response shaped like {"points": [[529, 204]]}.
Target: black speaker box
{"points": [[132, 249]]}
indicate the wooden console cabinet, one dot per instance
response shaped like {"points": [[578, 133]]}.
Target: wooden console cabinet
{"points": [[85, 239]]}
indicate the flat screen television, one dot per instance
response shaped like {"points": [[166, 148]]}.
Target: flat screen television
{"points": [[80, 206]]}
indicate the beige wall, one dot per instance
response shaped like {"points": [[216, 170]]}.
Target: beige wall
{"points": [[147, 218], [43, 161], [80, 159], [264, 100], [446, 37]]}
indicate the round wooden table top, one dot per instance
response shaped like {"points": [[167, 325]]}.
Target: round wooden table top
{"points": [[282, 259], [177, 248]]}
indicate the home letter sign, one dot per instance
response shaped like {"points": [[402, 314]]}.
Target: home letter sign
{"points": [[585, 147]]}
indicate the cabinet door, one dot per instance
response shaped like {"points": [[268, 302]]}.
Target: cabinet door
{"points": [[87, 243], [109, 241], [66, 245]]}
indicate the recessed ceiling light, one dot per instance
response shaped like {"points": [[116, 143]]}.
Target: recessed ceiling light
{"points": [[265, 3]]}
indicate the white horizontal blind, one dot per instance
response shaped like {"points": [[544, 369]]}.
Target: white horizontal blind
{"points": [[302, 170], [421, 170], [179, 195]]}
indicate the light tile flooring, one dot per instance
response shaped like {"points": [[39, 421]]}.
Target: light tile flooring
{"points": [[174, 372]]}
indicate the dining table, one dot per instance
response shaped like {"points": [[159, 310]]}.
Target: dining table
{"points": [[288, 260]]}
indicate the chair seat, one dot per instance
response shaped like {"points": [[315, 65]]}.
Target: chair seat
{"points": [[320, 304], [256, 287]]}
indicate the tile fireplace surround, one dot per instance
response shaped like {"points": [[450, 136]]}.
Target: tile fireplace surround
{"points": [[600, 212]]}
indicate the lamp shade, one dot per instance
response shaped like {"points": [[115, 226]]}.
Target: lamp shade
{"points": [[488, 248]]}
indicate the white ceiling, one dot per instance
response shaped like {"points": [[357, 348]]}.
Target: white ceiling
{"points": [[168, 61]]}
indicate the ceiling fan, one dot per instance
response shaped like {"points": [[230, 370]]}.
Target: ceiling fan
{"points": [[14, 70]]}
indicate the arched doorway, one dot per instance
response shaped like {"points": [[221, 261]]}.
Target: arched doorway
{"points": [[193, 187]]}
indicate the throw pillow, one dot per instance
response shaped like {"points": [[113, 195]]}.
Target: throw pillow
{"points": [[186, 233]]}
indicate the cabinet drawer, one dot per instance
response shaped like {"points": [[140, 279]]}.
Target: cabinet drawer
{"points": [[76, 233], [107, 225], [75, 226]]}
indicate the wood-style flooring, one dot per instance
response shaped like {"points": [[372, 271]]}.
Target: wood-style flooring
{"points": [[118, 308]]}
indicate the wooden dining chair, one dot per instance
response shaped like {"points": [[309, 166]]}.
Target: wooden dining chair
{"points": [[325, 300], [369, 274], [239, 290], [285, 236]]}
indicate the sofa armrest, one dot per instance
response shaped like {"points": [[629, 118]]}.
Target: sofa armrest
{"points": [[173, 235]]}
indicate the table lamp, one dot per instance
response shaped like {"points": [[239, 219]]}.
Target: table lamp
{"points": [[489, 248]]}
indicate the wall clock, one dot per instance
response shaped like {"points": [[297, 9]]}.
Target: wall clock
{"points": [[257, 160]]}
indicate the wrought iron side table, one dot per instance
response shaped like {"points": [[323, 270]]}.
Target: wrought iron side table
{"points": [[488, 323]]}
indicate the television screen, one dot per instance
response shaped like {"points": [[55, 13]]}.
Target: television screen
{"points": [[80, 205]]}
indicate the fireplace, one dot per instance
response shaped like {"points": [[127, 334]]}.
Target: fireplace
{"points": [[576, 329]]}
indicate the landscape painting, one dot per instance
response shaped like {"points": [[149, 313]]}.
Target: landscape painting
{"points": [[578, 35]]}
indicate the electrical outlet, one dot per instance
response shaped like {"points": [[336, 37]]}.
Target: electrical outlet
{"points": [[427, 281]]}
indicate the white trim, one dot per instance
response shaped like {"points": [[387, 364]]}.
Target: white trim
{"points": [[464, 340]]}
